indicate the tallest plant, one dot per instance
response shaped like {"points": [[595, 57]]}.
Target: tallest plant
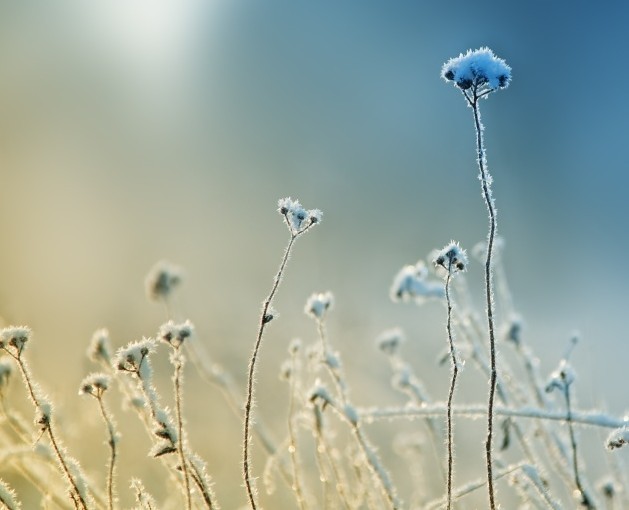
{"points": [[477, 74]]}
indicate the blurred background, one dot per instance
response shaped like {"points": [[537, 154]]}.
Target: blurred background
{"points": [[136, 130]]}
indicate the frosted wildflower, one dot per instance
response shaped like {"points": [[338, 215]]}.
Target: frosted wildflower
{"points": [[389, 341], [130, 358], [99, 349], [561, 378], [411, 284], [318, 304], [15, 337], [94, 384], [478, 69], [175, 334], [297, 218], [452, 258], [161, 280], [618, 438]]}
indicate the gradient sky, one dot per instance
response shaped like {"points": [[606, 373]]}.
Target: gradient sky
{"points": [[135, 130]]}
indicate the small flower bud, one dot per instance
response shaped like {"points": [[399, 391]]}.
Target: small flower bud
{"points": [[161, 280], [318, 304]]}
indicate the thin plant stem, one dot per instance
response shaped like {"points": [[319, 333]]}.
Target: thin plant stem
{"points": [[473, 411], [112, 447], [252, 371], [585, 499], [455, 370], [292, 446], [181, 443], [204, 488], [489, 202], [75, 493]]}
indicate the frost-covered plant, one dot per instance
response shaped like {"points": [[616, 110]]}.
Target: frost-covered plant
{"points": [[451, 259], [299, 221], [325, 459], [95, 386], [477, 74]]}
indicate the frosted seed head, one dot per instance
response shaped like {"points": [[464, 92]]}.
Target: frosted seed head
{"points": [[319, 392], [389, 341], [297, 218], [130, 358], [161, 280], [452, 258], [618, 438], [94, 384], [43, 414], [15, 337], [318, 304], [315, 215], [99, 349], [175, 334], [561, 378], [411, 284], [477, 68]]}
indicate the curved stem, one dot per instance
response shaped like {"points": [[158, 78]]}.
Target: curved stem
{"points": [[181, 443], [489, 202], [585, 499], [112, 446], [75, 492], [251, 375], [455, 370]]}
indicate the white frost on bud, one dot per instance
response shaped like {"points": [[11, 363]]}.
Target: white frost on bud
{"points": [[94, 384], [452, 258], [15, 337], [562, 377], [411, 284], [100, 347], [175, 334], [130, 357], [161, 280], [618, 438], [297, 218], [318, 304], [389, 341]]}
